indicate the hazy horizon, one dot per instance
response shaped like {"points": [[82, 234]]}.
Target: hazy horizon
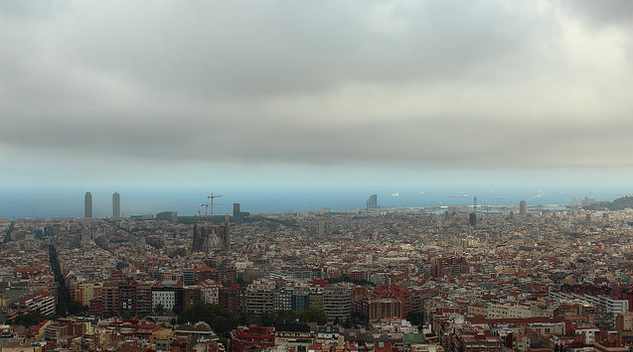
{"points": [[68, 202], [387, 95]]}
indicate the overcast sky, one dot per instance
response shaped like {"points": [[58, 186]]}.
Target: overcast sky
{"points": [[127, 93]]}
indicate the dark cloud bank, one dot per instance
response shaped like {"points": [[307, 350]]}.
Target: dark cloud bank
{"points": [[430, 83]]}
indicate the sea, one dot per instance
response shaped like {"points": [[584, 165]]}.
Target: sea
{"points": [[69, 202]]}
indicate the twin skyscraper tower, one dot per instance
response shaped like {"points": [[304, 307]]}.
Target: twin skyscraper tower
{"points": [[116, 205]]}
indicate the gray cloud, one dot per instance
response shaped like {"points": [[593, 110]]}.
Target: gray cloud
{"points": [[222, 50], [447, 141], [482, 84]]}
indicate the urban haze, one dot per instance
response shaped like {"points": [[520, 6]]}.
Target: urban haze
{"points": [[333, 176]]}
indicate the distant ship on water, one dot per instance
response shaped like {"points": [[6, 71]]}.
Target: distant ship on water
{"points": [[460, 195]]}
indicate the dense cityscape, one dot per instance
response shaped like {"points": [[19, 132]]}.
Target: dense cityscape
{"points": [[369, 280], [391, 176]]}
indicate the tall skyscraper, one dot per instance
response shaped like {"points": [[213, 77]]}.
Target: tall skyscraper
{"points": [[372, 202], [236, 210], [226, 234], [522, 208], [472, 218], [116, 205], [88, 205], [196, 246], [321, 228]]}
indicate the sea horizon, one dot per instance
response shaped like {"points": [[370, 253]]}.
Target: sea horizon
{"points": [[69, 202]]}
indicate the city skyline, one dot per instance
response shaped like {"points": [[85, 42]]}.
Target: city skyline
{"points": [[380, 94], [66, 203], [441, 280]]}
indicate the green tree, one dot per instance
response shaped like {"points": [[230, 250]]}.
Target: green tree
{"points": [[313, 315], [248, 319], [76, 308], [357, 319], [416, 318], [220, 320], [279, 317], [159, 309], [29, 319]]}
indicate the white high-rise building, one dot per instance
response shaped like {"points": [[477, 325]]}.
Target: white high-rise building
{"points": [[116, 205]]}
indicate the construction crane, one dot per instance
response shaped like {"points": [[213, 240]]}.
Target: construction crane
{"points": [[210, 202]]}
